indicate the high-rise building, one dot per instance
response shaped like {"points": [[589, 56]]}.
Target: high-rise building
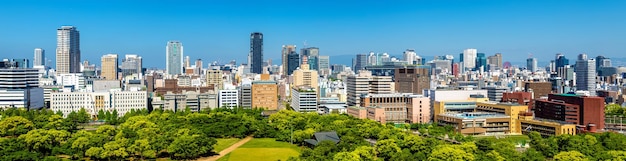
{"points": [[323, 64], [481, 61], [495, 61], [531, 64], [313, 62], [469, 58], [40, 57], [359, 62], [602, 61], [372, 59], [586, 74], [293, 63], [68, 50], [198, 69], [310, 51], [109, 67], [365, 83], [187, 62], [256, 52], [409, 56], [287, 49], [174, 58], [561, 61], [411, 80], [132, 65], [305, 76]]}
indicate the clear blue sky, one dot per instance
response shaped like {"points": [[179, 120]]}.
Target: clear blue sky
{"points": [[219, 30]]}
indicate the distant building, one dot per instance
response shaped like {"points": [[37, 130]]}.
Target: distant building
{"points": [[364, 83], [287, 49], [468, 57], [68, 50], [293, 62], [531, 64], [189, 99], [538, 89], [305, 76], [585, 74], [495, 61], [359, 62], [215, 78], [411, 80], [256, 52], [323, 65], [393, 108], [40, 57], [131, 66], [245, 96], [174, 58], [109, 67], [494, 93]]}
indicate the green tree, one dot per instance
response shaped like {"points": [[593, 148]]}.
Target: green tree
{"points": [[449, 153], [366, 153], [387, 148], [44, 140], [95, 153], [570, 156], [15, 126], [142, 149], [190, 144], [493, 156], [613, 109], [345, 156], [532, 155]]}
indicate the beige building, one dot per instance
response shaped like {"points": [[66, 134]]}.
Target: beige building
{"points": [[109, 67], [305, 76], [215, 78], [193, 100], [265, 93], [365, 83]]}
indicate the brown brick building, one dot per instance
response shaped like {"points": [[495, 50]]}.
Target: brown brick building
{"points": [[579, 110], [539, 89], [411, 80]]}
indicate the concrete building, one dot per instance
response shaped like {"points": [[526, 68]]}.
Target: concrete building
{"points": [[545, 127], [468, 57], [193, 100], [409, 56], [574, 109], [92, 102], [522, 98], [411, 80], [132, 66], [245, 96], [495, 61], [174, 58], [305, 76], [19, 87], [531, 64], [393, 108], [109, 67], [228, 98], [215, 78], [477, 123], [68, 50], [494, 93], [265, 94], [304, 99], [538, 89], [585, 74], [365, 83], [330, 105], [359, 62], [323, 65]]}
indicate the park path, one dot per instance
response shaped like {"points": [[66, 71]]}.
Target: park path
{"points": [[227, 150]]}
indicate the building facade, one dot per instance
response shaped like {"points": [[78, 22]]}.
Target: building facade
{"points": [[287, 49], [68, 50], [174, 58], [93, 102], [215, 78], [228, 98], [109, 67], [19, 87], [411, 80], [40, 57], [304, 99], [256, 52], [585, 74], [265, 94]]}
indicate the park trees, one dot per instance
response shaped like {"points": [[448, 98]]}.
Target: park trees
{"points": [[15, 126]]}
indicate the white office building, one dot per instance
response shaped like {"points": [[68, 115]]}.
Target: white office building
{"points": [[228, 98], [304, 99], [19, 87], [122, 101], [469, 58]]}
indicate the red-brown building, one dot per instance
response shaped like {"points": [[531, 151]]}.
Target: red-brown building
{"points": [[171, 85], [522, 98], [579, 110], [539, 89]]}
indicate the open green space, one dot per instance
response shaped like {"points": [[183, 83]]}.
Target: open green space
{"points": [[262, 149], [224, 143]]}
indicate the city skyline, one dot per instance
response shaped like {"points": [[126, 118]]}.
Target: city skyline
{"points": [[215, 31]]}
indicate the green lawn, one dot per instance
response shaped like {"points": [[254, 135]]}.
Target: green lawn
{"points": [[224, 143], [264, 149]]}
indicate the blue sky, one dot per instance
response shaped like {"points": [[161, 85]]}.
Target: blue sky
{"points": [[219, 30]]}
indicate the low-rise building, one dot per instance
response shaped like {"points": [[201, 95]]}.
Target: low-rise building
{"points": [[477, 123], [545, 127], [304, 99], [394, 108], [189, 99], [92, 102], [228, 98]]}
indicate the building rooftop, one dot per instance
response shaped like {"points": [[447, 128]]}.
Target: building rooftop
{"points": [[411, 95]]}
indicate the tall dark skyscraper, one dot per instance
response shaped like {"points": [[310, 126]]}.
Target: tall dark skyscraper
{"points": [[359, 62], [561, 61], [293, 62], [481, 61], [256, 52]]}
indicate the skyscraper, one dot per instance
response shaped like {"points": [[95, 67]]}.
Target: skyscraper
{"points": [[174, 58], [561, 61], [40, 57], [481, 61], [109, 67], [256, 52], [198, 69], [323, 64], [293, 62], [586, 74], [287, 49], [469, 58], [531, 64], [68, 50], [495, 61], [359, 62]]}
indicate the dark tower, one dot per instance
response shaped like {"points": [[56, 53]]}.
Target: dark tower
{"points": [[256, 52]]}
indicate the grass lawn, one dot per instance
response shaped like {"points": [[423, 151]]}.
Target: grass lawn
{"points": [[263, 149], [224, 143], [511, 138]]}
